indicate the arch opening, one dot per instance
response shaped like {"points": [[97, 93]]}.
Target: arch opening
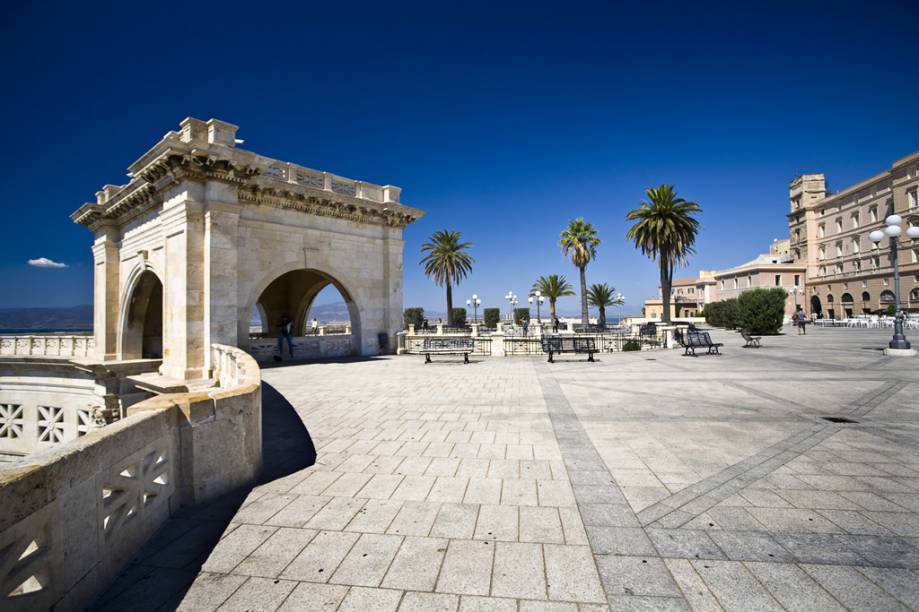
{"points": [[142, 332], [816, 307], [321, 316]]}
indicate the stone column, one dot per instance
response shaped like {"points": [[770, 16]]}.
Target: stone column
{"points": [[106, 292], [221, 273], [184, 333]]}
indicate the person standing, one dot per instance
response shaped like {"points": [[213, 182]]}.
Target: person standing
{"points": [[315, 326], [526, 327], [555, 325], [284, 333], [801, 320]]}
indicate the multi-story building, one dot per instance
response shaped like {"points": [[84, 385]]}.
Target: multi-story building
{"points": [[774, 269], [847, 273]]}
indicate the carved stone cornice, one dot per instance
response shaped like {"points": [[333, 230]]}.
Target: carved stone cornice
{"points": [[324, 206]]}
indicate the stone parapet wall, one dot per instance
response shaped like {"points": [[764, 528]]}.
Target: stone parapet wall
{"points": [[73, 516], [305, 347], [50, 345]]}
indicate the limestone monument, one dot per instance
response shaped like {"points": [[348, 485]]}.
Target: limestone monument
{"points": [[205, 233]]}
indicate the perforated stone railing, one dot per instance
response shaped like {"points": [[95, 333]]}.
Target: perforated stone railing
{"points": [[51, 345], [73, 516], [298, 175]]}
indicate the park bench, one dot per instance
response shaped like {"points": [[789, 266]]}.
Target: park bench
{"points": [[751, 341], [448, 346], [569, 344], [700, 340]]}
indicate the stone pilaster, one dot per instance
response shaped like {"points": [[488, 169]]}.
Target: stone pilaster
{"points": [[106, 298], [184, 348], [221, 254]]}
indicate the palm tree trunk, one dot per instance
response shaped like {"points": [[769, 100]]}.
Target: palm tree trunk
{"points": [[665, 289], [552, 308], [601, 320], [449, 303], [584, 319]]}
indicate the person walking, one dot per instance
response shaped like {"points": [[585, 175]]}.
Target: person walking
{"points": [[315, 326], [801, 320], [284, 333], [555, 325], [526, 327]]}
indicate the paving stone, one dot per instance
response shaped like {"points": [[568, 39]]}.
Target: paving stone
{"points": [[310, 597], [486, 604], [455, 521], [640, 576], [336, 514], [571, 574], [750, 546], [375, 516], [258, 594], [368, 560], [269, 559], [903, 584], [792, 587], [554, 493], [597, 494], [483, 491], [608, 515], [429, 602], [467, 568], [497, 523], [231, 551], [415, 519], [541, 524], [298, 512], [734, 586], [619, 541], [319, 560], [547, 606], [519, 571], [362, 599], [684, 543], [417, 564], [209, 591], [851, 588], [380, 486], [518, 492], [414, 488], [693, 587]]}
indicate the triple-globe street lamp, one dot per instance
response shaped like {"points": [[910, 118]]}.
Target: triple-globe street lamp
{"points": [[893, 231], [475, 302], [539, 299], [511, 298]]}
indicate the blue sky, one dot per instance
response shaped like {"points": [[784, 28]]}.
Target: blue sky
{"points": [[501, 120]]}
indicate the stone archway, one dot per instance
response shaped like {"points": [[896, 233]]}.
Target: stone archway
{"points": [[142, 318], [816, 307], [292, 294]]}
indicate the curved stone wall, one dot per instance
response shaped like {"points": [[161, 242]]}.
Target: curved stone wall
{"points": [[72, 516]]}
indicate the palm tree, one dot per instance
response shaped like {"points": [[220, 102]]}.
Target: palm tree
{"points": [[446, 262], [552, 287], [579, 240], [665, 230], [601, 296]]}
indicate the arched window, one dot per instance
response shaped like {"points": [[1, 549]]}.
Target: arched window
{"points": [[847, 298], [914, 295], [829, 299], [888, 297], [866, 297]]}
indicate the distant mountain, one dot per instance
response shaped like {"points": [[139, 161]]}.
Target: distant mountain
{"points": [[326, 314], [73, 317]]}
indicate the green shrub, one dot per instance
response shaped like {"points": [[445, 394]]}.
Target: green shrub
{"points": [[721, 314], [521, 315], [458, 317], [631, 345], [761, 311], [413, 316], [891, 310], [491, 316]]}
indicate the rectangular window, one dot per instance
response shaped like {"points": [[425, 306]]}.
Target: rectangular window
{"points": [[821, 231], [778, 280], [797, 280], [873, 214], [855, 220], [912, 197], [855, 246], [838, 226]]}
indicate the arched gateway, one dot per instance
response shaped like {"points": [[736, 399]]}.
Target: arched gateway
{"points": [[205, 233]]}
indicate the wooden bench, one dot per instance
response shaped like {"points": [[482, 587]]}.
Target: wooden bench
{"points": [[751, 341], [698, 340], [569, 344], [448, 346]]}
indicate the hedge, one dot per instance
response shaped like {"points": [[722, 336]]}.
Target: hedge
{"points": [[491, 317], [458, 317], [759, 311], [413, 316], [521, 315]]}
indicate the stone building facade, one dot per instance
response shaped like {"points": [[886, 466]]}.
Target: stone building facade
{"points": [[206, 233], [846, 272]]}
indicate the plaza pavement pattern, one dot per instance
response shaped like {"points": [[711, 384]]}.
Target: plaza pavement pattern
{"points": [[646, 481]]}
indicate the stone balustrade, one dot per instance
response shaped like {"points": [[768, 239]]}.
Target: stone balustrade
{"points": [[287, 172], [73, 516], [48, 345]]}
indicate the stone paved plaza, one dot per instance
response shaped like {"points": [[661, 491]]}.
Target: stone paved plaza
{"points": [[645, 481]]}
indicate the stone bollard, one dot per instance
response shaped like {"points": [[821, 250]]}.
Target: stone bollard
{"points": [[499, 327], [440, 329], [497, 344], [322, 330], [475, 330], [411, 329]]}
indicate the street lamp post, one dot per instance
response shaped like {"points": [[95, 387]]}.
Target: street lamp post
{"points": [[893, 231], [539, 299], [475, 302], [511, 298], [794, 291], [620, 302]]}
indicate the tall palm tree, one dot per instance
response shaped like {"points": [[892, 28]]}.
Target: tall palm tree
{"points": [[447, 262], [665, 230], [601, 296], [579, 240], [552, 287]]}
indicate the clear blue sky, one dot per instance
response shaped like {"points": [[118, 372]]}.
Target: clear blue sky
{"points": [[503, 121]]}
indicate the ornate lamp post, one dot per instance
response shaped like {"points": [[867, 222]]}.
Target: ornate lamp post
{"points": [[475, 302], [620, 302], [511, 298], [539, 299], [795, 291], [899, 345]]}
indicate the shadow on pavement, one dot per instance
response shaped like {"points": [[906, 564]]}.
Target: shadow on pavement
{"points": [[162, 572]]}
